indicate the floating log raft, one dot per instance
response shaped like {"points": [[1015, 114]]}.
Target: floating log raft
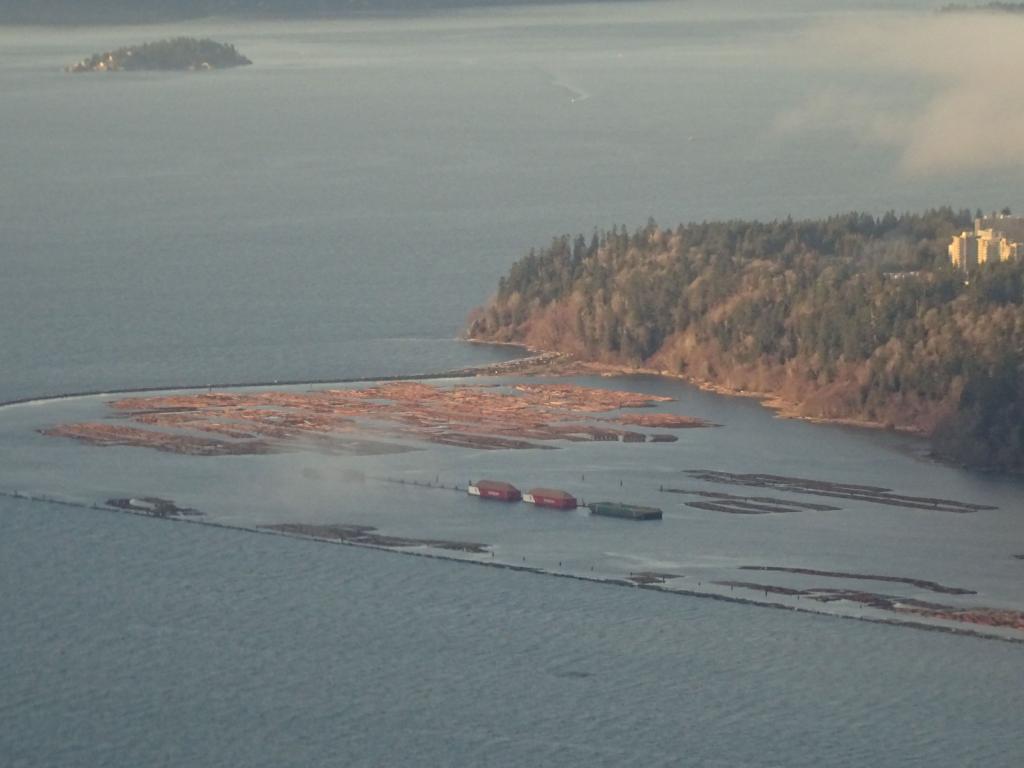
{"points": [[919, 583], [662, 420], [367, 536], [869, 493], [153, 506], [992, 617], [746, 505], [518, 417]]}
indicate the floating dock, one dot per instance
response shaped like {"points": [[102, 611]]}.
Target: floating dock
{"points": [[494, 490], [550, 497], [626, 511]]}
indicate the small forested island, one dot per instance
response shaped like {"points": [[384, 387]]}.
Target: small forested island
{"points": [[855, 318], [179, 53]]}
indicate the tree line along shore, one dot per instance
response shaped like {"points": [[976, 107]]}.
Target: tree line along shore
{"points": [[853, 317]]}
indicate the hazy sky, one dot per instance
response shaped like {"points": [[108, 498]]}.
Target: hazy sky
{"points": [[971, 112]]}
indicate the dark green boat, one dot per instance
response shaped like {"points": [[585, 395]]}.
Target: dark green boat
{"points": [[626, 511]]}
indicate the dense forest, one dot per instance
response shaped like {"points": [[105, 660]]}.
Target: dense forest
{"points": [[142, 11], [851, 317]]}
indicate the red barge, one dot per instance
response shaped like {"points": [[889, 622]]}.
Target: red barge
{"points": [[494, 490], [550, 497]]}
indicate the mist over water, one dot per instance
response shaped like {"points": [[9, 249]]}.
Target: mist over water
{"points": [[335, 210]]}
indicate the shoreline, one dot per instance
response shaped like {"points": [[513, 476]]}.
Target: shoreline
{"points": [[610, 581], [536, 361], [784, 409]]}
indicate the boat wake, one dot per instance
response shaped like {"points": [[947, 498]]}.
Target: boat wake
{"points": [[573, 92]]}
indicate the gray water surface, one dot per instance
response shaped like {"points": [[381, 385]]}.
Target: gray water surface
{"points": [[335, 211], [185, 645]]}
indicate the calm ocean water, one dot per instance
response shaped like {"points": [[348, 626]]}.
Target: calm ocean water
{"points": [[134, 642], [335, 211]]}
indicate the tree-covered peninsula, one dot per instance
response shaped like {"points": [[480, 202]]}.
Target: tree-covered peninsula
{"points": [[179, 53], [852, 317]]}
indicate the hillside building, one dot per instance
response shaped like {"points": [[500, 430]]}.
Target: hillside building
{"points": [[995, 238]]}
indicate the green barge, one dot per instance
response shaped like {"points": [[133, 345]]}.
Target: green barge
{"points": [[626, 511]]}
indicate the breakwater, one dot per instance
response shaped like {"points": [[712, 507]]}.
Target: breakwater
{"points": [[490, 562]]}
